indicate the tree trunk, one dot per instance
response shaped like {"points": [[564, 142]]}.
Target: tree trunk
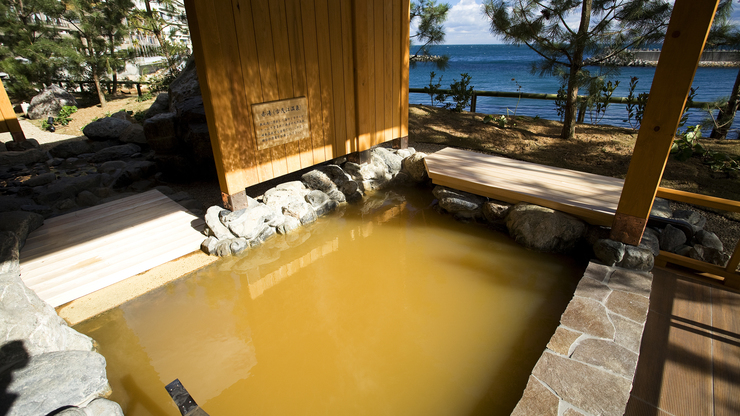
{"points": [[101, 93], [569, 121], [726, 115]]}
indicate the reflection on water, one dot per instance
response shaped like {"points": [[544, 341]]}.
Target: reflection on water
{"points": [[384, 308]]}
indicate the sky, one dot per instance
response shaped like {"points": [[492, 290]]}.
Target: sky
{"points": [[466, 23]]}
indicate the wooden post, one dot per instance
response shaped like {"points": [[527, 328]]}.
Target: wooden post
{"points": [[8, 121], [473, 102], [138, 89], [679, 58]]}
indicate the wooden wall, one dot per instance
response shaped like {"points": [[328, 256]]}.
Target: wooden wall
{"points": [[8, 121], [349, 58]]}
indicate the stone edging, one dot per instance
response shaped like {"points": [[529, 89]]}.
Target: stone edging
{"points": [[590, 362]]}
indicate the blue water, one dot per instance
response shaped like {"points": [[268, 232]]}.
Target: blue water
{"points": [[492, 68]]}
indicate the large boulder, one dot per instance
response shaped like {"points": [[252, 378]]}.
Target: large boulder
{"points": [[160, 105], [108, 128], [115, 152], [49, 102], [20, 222], [544, 229], [26, 157], [71, 148], [160, 133], [459, 203], [414, 166], [186, 85]]}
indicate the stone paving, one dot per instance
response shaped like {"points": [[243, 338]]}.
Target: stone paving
{"points": [[590, 361]]}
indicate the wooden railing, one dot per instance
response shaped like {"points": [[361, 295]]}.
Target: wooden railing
{"points": [[729, 272], [71, 84]]}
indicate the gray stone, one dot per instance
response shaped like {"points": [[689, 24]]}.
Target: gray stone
{"points": [[249, 223], [588, 388], [593, 289], [684, 250], [390, 159], [160, 105], [185, 85], [209, 245], [103, 407], [106, 128], [72, 411], [133, 134], [26, 157], [495, 211], [266, 233], [631, 281], [292, 185], [164, 189], [414, 166], [278, 198], [321, 202], [607, 355], [562, 340], [65, 204], [21, 223], [111, 166], [86, 199], [336, 195], [628, 333], [10, 248], [353, 170], [71, 148], [709, 254], [588, 316], [610, 252], [692, 217], [13, 146], [13, 203], [651, 241], [637, 258], [661, 208], [671, 238], [213, 221], [223, 248], [536, 400], [303, 211], [49, 102], [544, 229], [39, 180], [65, 188], [44, 210], [629, 305], [318, 180], [143, 185], [160, 133], [708, 239], [598, 271], [289, 224], [58, 379], [238, 246], [115, 152]]}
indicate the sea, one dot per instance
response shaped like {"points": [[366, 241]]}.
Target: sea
{"points": [[509, 68]]}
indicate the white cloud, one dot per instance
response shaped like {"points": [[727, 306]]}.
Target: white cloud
{"points": [[466, 24]]}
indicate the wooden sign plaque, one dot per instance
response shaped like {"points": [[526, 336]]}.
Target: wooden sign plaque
{"points": [[280, 122]]}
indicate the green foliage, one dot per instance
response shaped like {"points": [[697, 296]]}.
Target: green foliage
{"points": [[599, 93], [433, 90], [560, 101], [502, 121], [140, 116], [145, 97], [461, 93], [63, 117], [687, 145], [519, 90], [604, 30], [429, 18], [635, 105]]}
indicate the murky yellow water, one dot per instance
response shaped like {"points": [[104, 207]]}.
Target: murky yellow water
{"points": [[385, 309]]}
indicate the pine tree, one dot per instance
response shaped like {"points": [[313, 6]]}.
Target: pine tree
{"points": [[605, 29], [32, 51], [430, 18], [160, 24], [725, 33]]}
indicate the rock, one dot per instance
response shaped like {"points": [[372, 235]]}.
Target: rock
{"points": [[238, 246], [495, 211], [353, 170], [223, 248], [103, 407], [302, 211], [610, 252], [57, 379], [26, 157], [160, 105], [133, 134], [13, 146], [106, 128], [67, 187], [536, 400], [692, 217], [116, 152], [289, 224], [86, 199], [3, 148], [21, 223], [321, 202], [336, 195], [160, 133], [637, 258], [191, 110], [249, 223], [708, 254], [392, 161], [71, 148], [135, 171], [708, 239], [49, 102], [209, 244], [65, 204], [661, 208], [213, 221], [607, 355], [544, 229], [10, 249], [651, 241], [111, 166], [278, 198], [316, 179], [414, 166], [165, 190], [185, 85], [671, 238], [43, 179], [460, 203]]}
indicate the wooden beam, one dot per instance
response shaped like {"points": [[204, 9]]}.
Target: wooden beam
{"points": [[679, 58], [8, 121]]}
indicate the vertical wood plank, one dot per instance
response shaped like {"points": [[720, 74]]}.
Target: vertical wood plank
{"points": [[8, 120], [687, 32], [363, 103], [281, 52], [405, 68], [349, 72], [268, 74], [298, 66], [378, 20], [397, 68], [325, 73], [388, 71], [371, 71], [337, 71], [315, 112]]}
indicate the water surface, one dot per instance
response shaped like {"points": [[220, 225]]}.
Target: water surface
{"points": [[385, 308]]}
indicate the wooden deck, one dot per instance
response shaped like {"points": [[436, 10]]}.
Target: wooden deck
{"points": [[593, 198], [78, 253], [690, 356]]}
